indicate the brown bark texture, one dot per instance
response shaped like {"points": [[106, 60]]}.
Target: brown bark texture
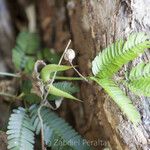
{"points": [[92, 25]]}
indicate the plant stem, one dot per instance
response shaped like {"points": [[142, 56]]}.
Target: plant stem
{"points": [[78, 72], [42, 126], [12, 96], [8, 95], [60, 61], [9, 74], [45, 96], [70, 78]]}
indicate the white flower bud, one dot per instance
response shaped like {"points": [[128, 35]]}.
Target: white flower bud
{"points": [[69, 55]]}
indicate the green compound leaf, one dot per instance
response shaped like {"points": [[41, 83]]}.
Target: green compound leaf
{"points": [[26, 86], [24, 53], [112, 58], [32, 98], [28, 42], [20, 131], [51, 56], [18, 58], [123, 102], [139, 79], [141, 71], [58, 134]]}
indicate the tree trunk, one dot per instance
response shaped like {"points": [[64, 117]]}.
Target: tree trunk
{"points": [[92, 25]]}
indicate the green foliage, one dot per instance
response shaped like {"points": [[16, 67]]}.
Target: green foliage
{"points": [[111, 59], [59, 135], [20, 128], [48, 71], [20, 131], [23, 123], [32, 98], [28, 42], [51, 56], [139, 79], [64, 86], [24, 53], [47, 74], [26, 86], [141, 71], [28, 96], [123, 102], [57, 92]]}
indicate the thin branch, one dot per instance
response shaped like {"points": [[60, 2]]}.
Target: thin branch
{"points": [[8, 95], [9, 74], [12, 96], [71, 78], [78, 72], [45, 96], [42, 127], [68, 78], [60, 61]]}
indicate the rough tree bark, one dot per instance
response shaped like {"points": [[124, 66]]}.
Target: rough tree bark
{"points": [[92, 25]]}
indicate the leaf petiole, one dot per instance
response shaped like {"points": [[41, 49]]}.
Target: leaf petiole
{"points": [[70, 78]]}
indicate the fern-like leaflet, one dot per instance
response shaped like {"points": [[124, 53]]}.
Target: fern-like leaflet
{"points": [[66, 86], [139, 79], [111, 59], [123, 102], [20, 131], [24, 53], [28, 42], [59, 135]]}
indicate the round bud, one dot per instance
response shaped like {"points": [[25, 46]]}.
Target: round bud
{"points": [[69, 55]]}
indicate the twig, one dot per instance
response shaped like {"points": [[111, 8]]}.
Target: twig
{"points": [[8, 95], [60, 61], [9, 74], [42, 127], [43, 103], [68, 78], [78, 72], [11, 96]]}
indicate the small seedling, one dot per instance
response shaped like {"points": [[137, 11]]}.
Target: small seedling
{"points": [[25, 121]]}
